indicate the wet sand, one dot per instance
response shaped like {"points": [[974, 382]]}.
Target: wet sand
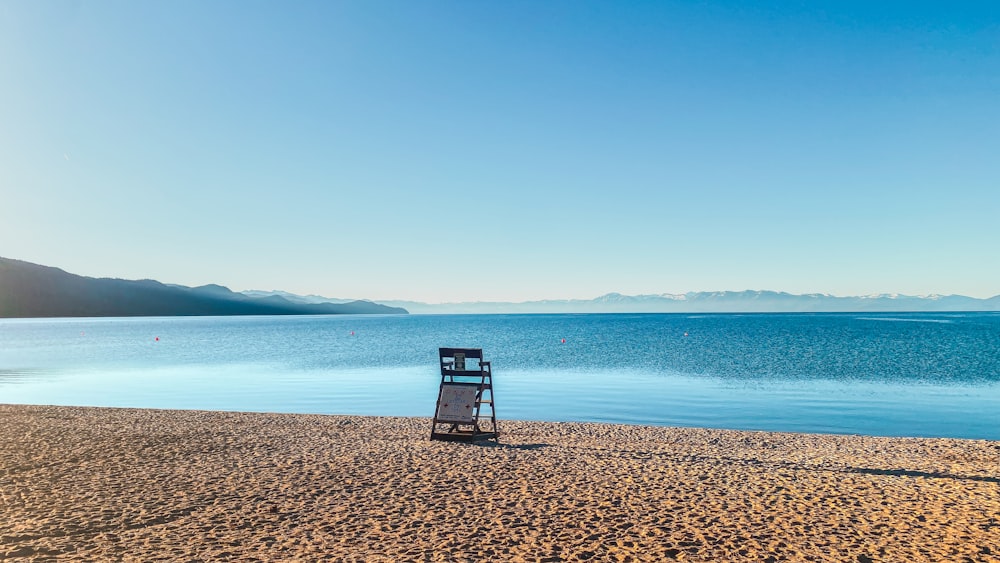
{"points": [[144, 485]]}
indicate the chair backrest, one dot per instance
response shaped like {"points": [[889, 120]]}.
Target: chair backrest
{"points": [[455, 361]]}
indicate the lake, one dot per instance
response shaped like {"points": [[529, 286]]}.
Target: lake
{"points": [[909, 374]]}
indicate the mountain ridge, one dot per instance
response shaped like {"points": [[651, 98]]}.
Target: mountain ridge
{"points": [[30, 290], [746, 301]]}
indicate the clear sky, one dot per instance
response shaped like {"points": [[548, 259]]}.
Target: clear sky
{"points": [[451, 151]]}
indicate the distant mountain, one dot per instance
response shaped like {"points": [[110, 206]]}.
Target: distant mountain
{"points": [[293, 297], [693, 302], [717, 302], [31, 290]]}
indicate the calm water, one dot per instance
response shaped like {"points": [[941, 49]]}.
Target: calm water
{"points": [[884, 374]]}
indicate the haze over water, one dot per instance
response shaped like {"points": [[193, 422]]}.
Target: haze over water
{"points": [[926, 374]]}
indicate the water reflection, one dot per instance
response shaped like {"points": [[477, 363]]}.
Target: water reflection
{"points": [[20, 376]]}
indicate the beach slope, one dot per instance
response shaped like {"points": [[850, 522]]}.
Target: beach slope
{"points": [[144, 485]]}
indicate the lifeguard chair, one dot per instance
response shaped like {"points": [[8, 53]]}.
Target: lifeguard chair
{"points": [[465, 410]]}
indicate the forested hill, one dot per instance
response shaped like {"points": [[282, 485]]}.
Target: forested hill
{"points": [[31, 290]]}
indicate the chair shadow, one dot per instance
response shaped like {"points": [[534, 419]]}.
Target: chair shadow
{"points": [[926, 474], [806, 467]]}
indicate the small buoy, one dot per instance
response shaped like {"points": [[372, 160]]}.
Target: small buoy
{"points": [[352, 333], [685, 334], [563, 341], [157, 338]]}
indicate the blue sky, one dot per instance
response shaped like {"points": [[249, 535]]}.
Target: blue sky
{"points": [[450, 151]]}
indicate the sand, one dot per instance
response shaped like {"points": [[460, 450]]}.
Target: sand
{"points": [[144, 485]]}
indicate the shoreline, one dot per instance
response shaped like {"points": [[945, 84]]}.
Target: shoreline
{"points": [[86, 483]]}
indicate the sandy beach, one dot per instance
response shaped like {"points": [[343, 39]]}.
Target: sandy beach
{"points": [[143, 485]]}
